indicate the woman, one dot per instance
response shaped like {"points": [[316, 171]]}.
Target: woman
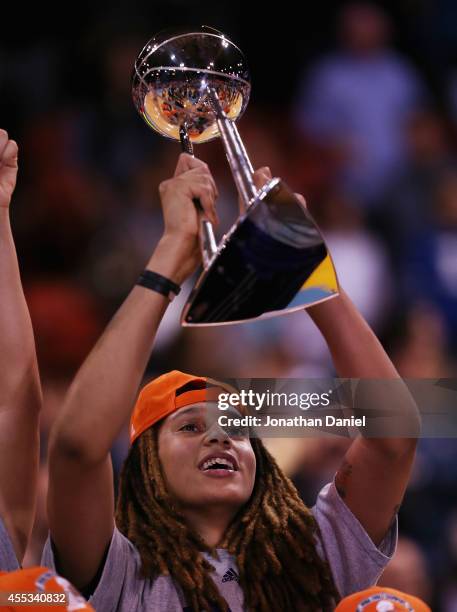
{"points": [[20, 404], [208, 519]]}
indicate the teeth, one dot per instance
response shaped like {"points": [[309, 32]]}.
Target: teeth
{"points": [[220, 460]]}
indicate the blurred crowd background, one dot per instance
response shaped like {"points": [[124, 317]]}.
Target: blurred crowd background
{"points": [[354, 105]]}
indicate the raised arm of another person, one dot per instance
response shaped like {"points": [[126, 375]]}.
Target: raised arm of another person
{"points": [[100, 399], [20, 390], [374, 474]]}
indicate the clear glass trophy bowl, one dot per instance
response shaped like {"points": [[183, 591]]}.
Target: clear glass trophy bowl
{"points": [[172, 75]]}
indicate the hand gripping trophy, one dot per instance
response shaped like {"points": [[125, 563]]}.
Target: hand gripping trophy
{"points": [[191, 86]]}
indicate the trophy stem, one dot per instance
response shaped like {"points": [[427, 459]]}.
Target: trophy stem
{"points": [[242, 147], [235, 151], [208, 244]]}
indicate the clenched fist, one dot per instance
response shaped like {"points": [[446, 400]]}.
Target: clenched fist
{"points": [[8, 168], [192, 180]]}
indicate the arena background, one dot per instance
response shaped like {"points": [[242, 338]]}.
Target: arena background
{"points": [[357, 113]]}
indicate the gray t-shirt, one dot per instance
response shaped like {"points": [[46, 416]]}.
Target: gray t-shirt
{"points": [[8, 560], [356, 564]]}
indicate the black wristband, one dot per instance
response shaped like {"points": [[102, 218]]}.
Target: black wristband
{"points": [[160, 284]]}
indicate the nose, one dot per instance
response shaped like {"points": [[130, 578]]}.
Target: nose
{"points": [[216, 434]]}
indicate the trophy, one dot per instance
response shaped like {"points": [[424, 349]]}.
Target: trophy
{"points": [[192, 86]]}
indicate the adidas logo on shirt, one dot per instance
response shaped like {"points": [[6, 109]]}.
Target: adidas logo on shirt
{"points": [[230, 574]]}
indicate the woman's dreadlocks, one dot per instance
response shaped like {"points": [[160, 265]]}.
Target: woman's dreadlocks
{"points": [[272, 538]]}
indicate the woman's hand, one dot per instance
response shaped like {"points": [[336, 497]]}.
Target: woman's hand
{"points": [[192, 179], [8, 168], [263, 175]]}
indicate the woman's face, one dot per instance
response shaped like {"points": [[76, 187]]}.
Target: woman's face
{"points": [[204, 464]]}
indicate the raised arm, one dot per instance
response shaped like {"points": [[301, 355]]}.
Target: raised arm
{"points": [[100, 399], [375, 472], [20, 391]]}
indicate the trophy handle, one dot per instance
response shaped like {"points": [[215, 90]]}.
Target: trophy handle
{"points": [[208, 245]]}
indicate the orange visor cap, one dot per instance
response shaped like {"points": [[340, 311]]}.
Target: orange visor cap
{"points": [[158, 399]]}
